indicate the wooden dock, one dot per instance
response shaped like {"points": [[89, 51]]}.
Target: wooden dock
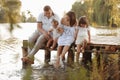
{"points": [[98, 49]]}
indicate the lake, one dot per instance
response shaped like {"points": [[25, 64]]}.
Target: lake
{"points": [[11, 53]]}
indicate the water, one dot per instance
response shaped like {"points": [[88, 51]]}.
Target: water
{"points": [[11, 53]]}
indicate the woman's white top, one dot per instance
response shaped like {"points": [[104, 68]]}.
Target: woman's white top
{"points": [[67, 38]]}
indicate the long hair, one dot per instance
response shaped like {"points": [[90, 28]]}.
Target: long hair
{"points": [[72, 17], [83, 20]]}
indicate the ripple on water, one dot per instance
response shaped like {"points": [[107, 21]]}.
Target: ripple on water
{"points": [[10, 64]]}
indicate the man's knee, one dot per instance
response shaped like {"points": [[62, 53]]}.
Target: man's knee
{"points": [[41, 41]]}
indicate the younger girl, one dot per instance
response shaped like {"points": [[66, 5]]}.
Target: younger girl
{"points": [[83, 36], [67, 37], [54, 35]]}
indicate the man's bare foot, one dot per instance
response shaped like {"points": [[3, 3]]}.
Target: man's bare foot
{"points": [[28, 60]]}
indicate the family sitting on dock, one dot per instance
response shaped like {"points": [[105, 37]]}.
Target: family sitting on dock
{"points": [[52, 32]]}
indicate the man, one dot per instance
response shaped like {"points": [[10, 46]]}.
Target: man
{"points": [[40, 36]]}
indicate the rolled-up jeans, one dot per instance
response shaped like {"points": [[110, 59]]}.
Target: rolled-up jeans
{"points": [[38, 41]]}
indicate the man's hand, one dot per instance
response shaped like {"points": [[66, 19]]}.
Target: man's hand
{"points": [[39, 26], [47, 36]]}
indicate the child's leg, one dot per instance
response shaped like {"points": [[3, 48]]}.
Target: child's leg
{"points": [[49, 42], [65, 49], [54, 44], [59, 51], [84, 45], [78, 52]]}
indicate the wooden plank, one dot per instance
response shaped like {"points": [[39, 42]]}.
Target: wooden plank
{"points": [[104, 48], [97, 48], [25, 43], [102, 52]]}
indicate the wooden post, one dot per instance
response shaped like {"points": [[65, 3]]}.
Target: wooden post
{"points": [[119, 64], [87, 55], [71, 53], [47, 56], [24, 52]]}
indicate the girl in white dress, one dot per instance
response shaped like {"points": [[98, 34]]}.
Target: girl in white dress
{"points": [[83, 36], [67, 37]]}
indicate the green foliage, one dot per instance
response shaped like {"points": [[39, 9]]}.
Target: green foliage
{"points": [[24, 18], [31, 19], [100, 12], [3, 15], [80, 9], [83, 9], [79, 74], [12, 9], [27, 74], [10, 12]]}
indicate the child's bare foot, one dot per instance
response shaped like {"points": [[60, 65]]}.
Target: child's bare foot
{"points": [[61, 62], [82, 50], [51, 48], [56, 65]]}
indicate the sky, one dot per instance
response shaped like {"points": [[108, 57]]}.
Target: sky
{"points": [[36, 6]]}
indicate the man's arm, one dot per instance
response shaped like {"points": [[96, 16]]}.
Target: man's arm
{"points": [[40, 29]]}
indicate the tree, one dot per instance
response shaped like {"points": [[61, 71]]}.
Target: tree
{"points": [[23, 17], [27, 16], [83, 8], [80, 9], [3, 15], [31, 19], [106, 12], [100, 12], [11, 8]]}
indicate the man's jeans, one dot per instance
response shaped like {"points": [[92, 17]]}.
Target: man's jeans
{"points": [[37, 41]]}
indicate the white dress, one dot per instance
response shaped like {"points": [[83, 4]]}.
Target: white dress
{"points": [[55, 33], [67, 38], [82, 35]]}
